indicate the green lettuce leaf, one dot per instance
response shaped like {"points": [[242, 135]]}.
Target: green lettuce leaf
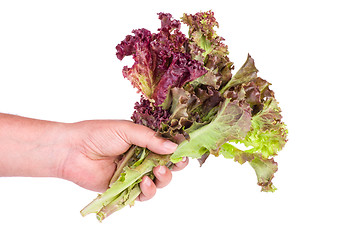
{"points": [[268, 134], [263, 167], [231, 122]]}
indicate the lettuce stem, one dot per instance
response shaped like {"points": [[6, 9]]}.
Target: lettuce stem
{"points": [[130, 177], [127, 197], [122, 163]]}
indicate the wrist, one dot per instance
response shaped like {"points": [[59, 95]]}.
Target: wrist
{"points": [[54, 147]]}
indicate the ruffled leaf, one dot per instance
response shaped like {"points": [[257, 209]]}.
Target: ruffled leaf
{"points": [[268, 134], [161, 61], [231, 122], [149, 115], [205, 45], [264, 168]]}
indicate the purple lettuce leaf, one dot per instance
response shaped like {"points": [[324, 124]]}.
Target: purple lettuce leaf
{"points": [[161, 61], [181, 71], [148, 115]]}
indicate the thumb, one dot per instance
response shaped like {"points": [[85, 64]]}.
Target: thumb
{"points": [[143, 136]]}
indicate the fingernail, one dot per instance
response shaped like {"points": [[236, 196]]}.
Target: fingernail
{"points": [[170, 145], [184, 159], [162, 170]]}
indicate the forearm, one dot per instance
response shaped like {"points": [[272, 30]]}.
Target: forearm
{"points": [[31, 147]]}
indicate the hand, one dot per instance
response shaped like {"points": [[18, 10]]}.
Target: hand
{"points": [[95, 145]]}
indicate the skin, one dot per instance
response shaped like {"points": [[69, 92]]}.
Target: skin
{"points": [[82, 152]]}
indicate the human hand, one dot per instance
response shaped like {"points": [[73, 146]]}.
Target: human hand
{"points": [[95, 145]]}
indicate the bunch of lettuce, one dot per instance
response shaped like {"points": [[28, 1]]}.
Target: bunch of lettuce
{"points": [[190, 96]]}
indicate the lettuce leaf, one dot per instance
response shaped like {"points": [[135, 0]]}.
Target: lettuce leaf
{"points": [[161, 60], [244, 75], [206, 46], [148, 115], [263, 167], [231, 122], [267, 136]]}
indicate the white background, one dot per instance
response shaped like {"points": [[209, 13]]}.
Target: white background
{"points": [[57, 62]]}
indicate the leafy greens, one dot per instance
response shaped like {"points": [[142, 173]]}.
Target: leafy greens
{"points": [[190, 96]]}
